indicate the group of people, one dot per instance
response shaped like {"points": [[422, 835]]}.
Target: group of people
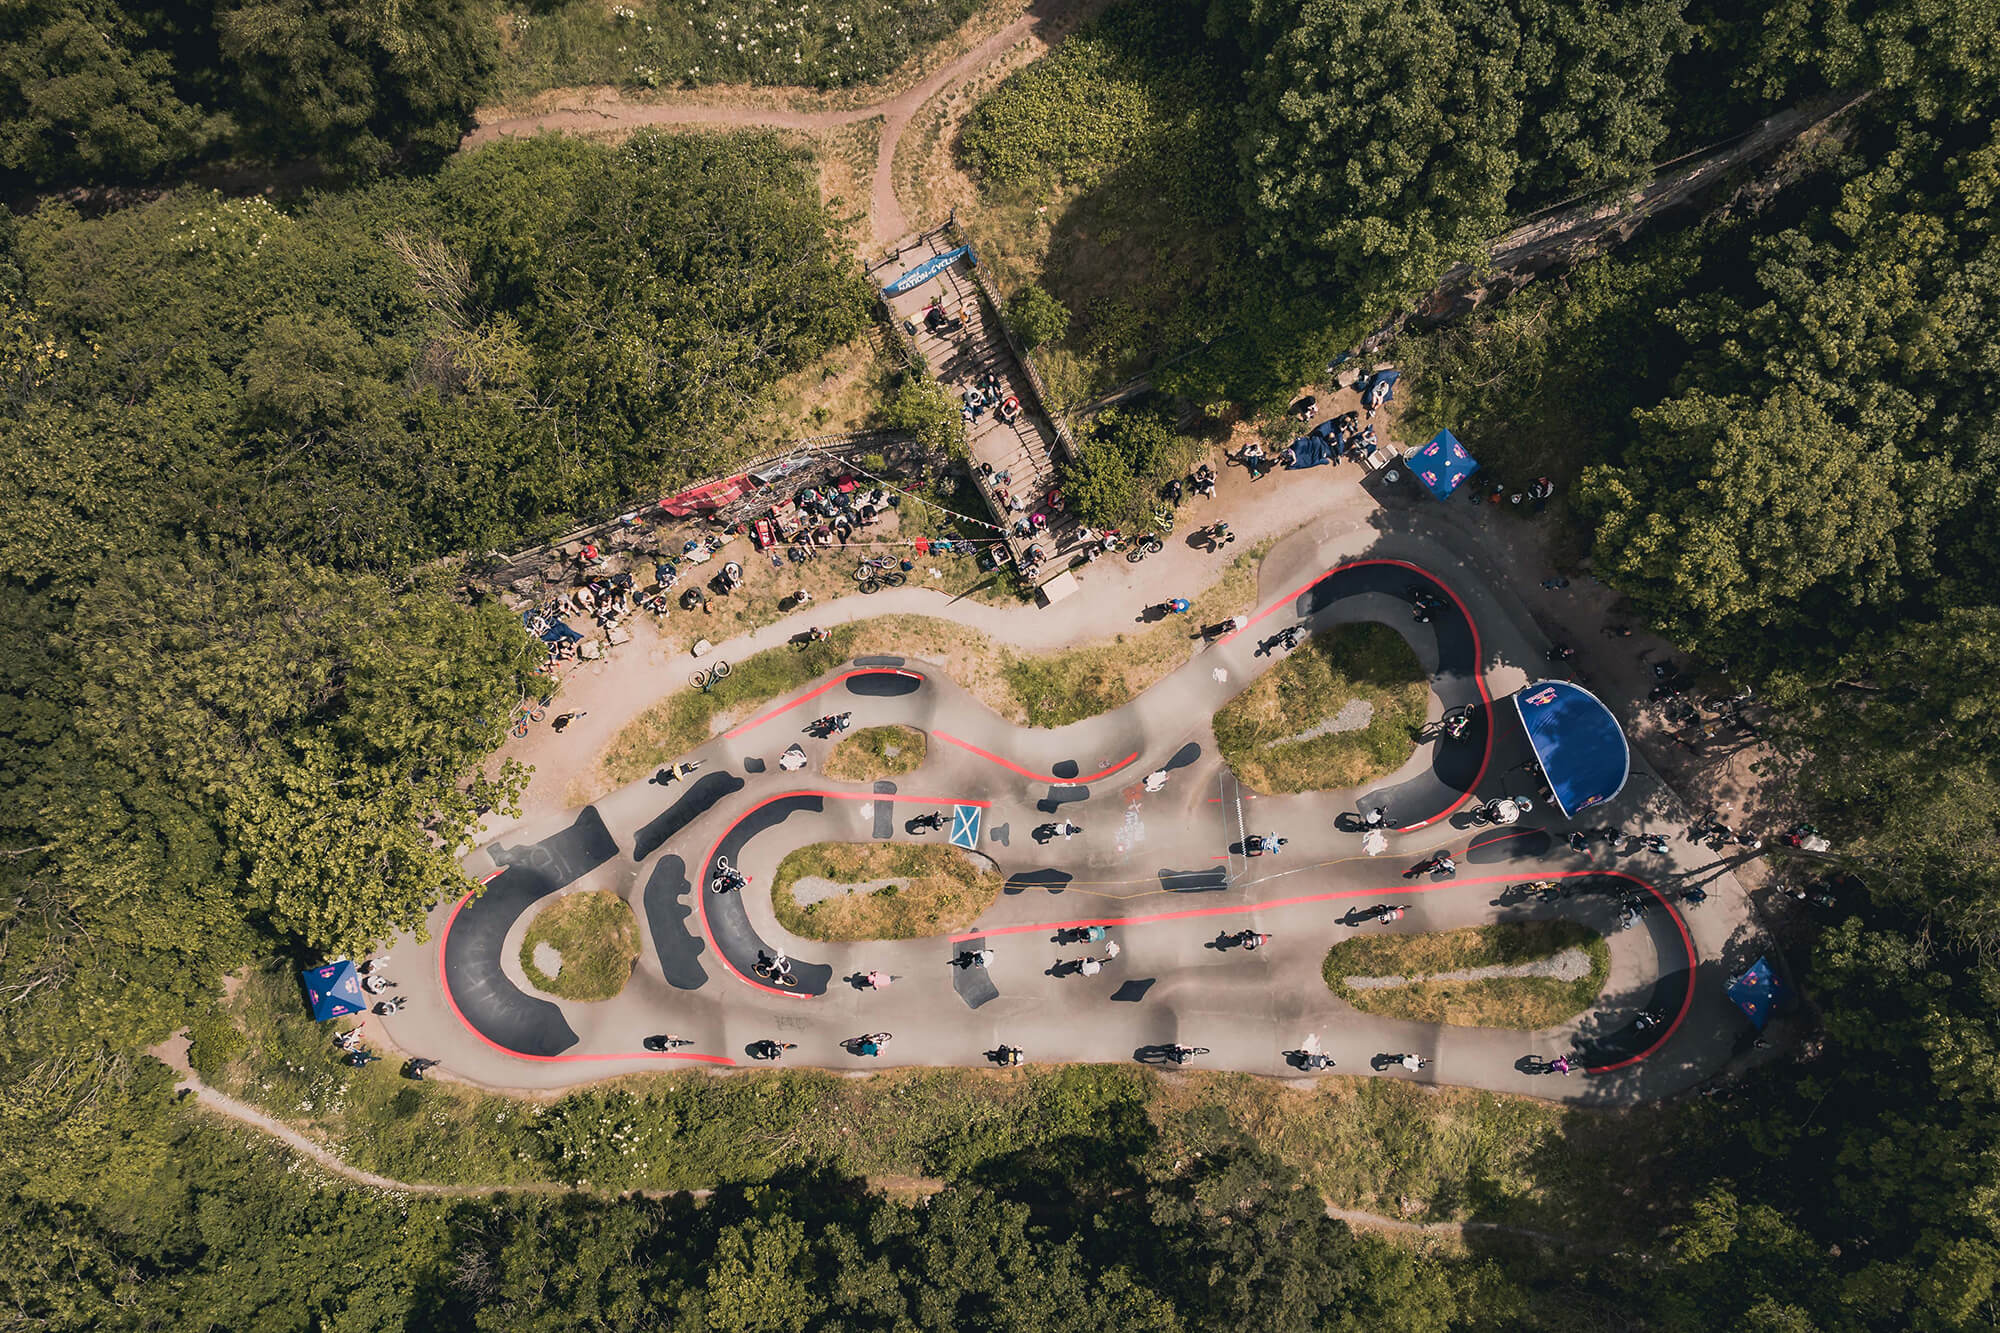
{"points": [[607, 598], [990, 392]]}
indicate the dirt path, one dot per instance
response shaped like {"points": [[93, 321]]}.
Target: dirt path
{"points": [[597, 112], [173, 1053]]}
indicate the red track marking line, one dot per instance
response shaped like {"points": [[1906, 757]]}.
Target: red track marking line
{"points": [[1478, 656], [1195, 913], [1051, 778], [815, 693], [700, 889], [444, 984]]}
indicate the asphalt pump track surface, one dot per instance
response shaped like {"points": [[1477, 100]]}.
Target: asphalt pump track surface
{"points": [[1167, 871]]}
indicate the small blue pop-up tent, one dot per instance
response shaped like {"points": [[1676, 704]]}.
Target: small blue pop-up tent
{"points": [[1758, 992], [1577, 741], [1442, 464], [333, 989]]}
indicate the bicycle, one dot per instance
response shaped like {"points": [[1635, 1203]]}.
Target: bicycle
{"points": [[772, 1050], [1180, 1055], [784, 980], [871, 1044], [703, 680], [727, 877], [528, 711], [876, 566], [1563, 1064], [667, 1041], [894, 578], [1145, 544]]}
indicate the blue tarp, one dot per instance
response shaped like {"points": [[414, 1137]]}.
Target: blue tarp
{"points": [[1385, 380], [1442, 464], [333, 989], [1577, 741], [925, 271], [1311, 451], [560, 632], [1758, 992]]}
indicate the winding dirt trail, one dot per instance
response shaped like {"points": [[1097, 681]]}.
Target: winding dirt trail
{"points": [[174, 1053], [1045, 20]]}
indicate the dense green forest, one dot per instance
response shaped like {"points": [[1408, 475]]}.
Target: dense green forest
{"points": [[243, 698]]}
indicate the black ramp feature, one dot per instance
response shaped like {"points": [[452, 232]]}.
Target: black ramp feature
{"points": [[1049, 881], [499, 1010], [1059, 797], [1134, 990], [884, 684], [1210, 880], [973, 984], [1066, 770], [880, 660], [675, 943], [565, 857], [885, 811], [1184, 756], [1514, 844], [729, 920], [696, 801]]}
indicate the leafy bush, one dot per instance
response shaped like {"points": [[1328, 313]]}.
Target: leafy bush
{"points": [[1036, 317], [925, 408], [213, 1042], [1099, 485]]}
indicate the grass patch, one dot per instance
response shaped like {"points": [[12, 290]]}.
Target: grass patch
{"points": [[597, 939], [1371, 663], [1096, 166], [1060, 688], [1498, 1002], [876, 752], [936, 889], [680, 722], [1430, 1154], [692, 43]]}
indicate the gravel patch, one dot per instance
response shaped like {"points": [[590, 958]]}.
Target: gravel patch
{"points": [[1353, 716], [548, 959], [1569, 965], [811, 889]]}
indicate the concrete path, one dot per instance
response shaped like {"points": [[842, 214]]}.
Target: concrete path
{"points": [[1167, 869]]}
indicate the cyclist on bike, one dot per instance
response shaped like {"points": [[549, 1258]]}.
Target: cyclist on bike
{"points": [[1252, 939], [1178, 605]]}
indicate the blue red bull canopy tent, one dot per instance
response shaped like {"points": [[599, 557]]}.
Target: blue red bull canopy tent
{"points": [[1442, 464], [1758, 992], [1576, 740], [333, 989]]}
